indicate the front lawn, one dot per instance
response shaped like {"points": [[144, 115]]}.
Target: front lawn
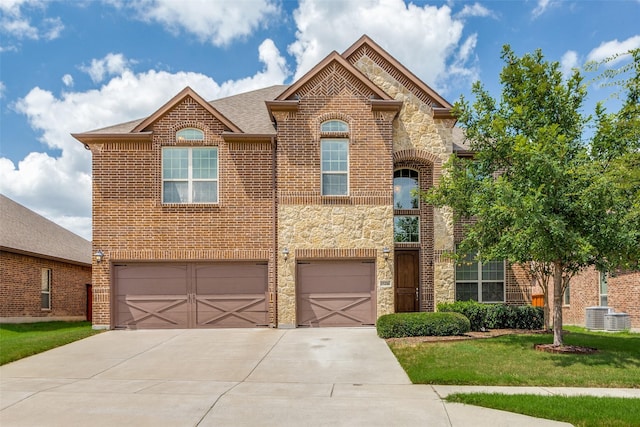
{"points": [[512, 361], [581, 411], [26, 339]]}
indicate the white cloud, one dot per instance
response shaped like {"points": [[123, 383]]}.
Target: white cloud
{"points": [[67, 79], [3, 87], [112, 64], [217, 22], [425, 39], [541, 8], [568, 62], [475, 9], [15, 25], [60, 187], [614, 47]]}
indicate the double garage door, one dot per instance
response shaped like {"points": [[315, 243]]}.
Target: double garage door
{"points": [[152, 296], [336, 293]]}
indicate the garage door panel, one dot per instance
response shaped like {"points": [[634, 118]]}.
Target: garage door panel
{"points": [[232, 312], [231, 279], [336, 293], [147, 311]]}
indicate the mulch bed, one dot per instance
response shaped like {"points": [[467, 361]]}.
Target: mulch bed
{"points": [[550, 348], [565, 349]]}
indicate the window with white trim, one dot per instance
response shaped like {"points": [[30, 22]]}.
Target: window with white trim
{"points": [[190, 175], [604, 291], [406, 204], [334, 158], [477, 281], [190, 134], [566, 297], [45, 289]]}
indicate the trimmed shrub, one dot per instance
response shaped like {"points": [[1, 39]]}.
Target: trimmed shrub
{"points": [[399, 325], [496, 316]]}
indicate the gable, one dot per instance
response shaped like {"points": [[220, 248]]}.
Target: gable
{"points": [[180, 98], [365, 52], [331, 77]]}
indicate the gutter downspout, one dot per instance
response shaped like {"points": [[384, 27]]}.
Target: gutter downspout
{"points": [[273, 293]]}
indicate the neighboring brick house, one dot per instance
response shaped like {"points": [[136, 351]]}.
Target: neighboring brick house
{"points": [[45, 270], [619, 290], [286, 206]]}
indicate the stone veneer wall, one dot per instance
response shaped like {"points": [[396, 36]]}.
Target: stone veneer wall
{"points": [[416, 129], [365, 230]]}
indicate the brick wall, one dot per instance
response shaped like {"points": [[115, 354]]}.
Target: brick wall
{"points": [[623, 295], [20, 286], [310, 223], [130, 222]]}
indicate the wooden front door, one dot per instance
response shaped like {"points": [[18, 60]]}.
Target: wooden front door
{"points": [[406, 280]]}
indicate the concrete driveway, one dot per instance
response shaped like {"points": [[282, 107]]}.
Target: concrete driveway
{"points": [[228, 377]]}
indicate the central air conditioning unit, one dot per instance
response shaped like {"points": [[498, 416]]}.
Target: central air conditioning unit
{"points": [[595, 317], [617, 321]]}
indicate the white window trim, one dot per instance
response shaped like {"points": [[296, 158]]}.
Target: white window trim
{"points": [[189, 180], [46, 275], [603, 278], [183, 139], [480, 282], [347, 172]]}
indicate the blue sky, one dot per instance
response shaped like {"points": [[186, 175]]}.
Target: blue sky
{"points": [[73, 66]]}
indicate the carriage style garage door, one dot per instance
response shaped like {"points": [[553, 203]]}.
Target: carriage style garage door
{"points": [[151, 296], [336, 293]]}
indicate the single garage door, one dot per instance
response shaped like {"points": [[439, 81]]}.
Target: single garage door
{"points": [[336, 293], [224, 295]]}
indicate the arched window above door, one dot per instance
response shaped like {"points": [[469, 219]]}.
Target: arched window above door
{"points": [[405, 186]]}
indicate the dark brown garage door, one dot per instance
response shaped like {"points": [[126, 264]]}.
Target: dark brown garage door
{"points": [[151, 296], [336, 293]]}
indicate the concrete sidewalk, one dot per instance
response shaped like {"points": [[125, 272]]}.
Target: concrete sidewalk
{"points": [[239, 377]]}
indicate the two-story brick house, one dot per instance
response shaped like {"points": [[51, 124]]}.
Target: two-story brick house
{"points": [[286, 206]]}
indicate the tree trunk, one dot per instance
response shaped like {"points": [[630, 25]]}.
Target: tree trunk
{"points": [[547, 313], [557, 303]]}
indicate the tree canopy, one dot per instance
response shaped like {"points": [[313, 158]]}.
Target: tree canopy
{"points": [[535, 189]]}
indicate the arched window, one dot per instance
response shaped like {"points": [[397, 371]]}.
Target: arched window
{"points": [[334, 126], [190, 134], [405, 185], [406, 224]]}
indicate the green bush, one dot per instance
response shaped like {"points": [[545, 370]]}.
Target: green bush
{"points": [[496, 316], [399, 325]]}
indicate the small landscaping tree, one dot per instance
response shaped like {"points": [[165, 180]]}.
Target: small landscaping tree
{"points": [[534, 189]]}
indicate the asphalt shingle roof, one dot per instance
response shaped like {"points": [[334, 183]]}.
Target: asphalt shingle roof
{"points": [[24, 231]]}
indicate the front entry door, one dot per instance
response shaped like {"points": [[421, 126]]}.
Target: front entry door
{"points": [[406, 280]]}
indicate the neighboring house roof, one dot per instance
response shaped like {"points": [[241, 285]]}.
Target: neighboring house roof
{"points": [[460, 142], [24, 231]]}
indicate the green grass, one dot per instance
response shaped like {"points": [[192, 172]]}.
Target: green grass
{"points": [[26, 339], [512, 361], [581, 411]]}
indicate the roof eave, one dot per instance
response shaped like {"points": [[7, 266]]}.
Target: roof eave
{"points": [[98, 138], [44, 256], [248, 137]]}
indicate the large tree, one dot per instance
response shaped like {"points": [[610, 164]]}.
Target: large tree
{"points": [[534, 189]]}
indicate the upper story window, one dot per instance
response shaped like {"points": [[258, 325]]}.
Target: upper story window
{"points": [[334, 126], [334, 160], [190, 175], [477, 281], [405, 186], [190, 134]]}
